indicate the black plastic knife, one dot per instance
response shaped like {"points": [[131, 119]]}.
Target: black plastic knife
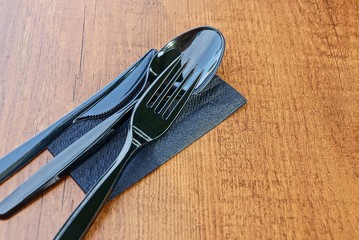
{"points": [[109, 99]]}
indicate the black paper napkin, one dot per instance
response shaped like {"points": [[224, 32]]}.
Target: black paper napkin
{"points": [[202, 113]]}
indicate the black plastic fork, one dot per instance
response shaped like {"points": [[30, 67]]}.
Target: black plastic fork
{"points": [[153, 115]]}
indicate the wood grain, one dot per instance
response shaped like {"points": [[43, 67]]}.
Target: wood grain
{"points": [[285, 166]]}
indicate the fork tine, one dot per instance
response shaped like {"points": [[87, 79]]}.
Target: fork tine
{"points": [[165, 91], [153, 89], [171, 116], [174, 95]]}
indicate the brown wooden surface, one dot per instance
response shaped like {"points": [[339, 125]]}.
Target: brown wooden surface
{"points": [[285, 166]]}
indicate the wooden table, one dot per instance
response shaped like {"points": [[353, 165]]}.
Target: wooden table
{"points": [[285, 166]]}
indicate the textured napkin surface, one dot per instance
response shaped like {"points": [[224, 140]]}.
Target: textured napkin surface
{"points": [[202, 113]]}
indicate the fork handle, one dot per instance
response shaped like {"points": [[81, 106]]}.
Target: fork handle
{"points": [[82, 218]]}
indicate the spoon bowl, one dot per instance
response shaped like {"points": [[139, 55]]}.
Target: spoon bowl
{"points": [[201, 47]]}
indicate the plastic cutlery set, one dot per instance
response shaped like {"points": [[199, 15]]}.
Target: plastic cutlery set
{"points": [[150, 94]]}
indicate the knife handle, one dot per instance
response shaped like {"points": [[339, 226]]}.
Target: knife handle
{"points": [[62, 164], [18, 158]]}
